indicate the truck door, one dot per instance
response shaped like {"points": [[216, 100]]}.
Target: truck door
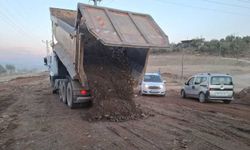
{"points": [[53, 65]]}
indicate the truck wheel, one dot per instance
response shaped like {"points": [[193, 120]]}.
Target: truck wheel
{"points": [[63, 91], [51, 79], [60, 92], [70, 96], [202, 98], [52, 84]]}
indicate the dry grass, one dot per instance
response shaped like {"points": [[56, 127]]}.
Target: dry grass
{"points": [[8, 77], [171, 63]]}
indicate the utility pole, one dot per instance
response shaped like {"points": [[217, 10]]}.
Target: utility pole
{"points": [[95, 2], [47, 47], [182, 64], [185, 44]]}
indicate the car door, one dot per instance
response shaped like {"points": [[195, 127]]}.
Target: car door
{"points": [[188, 86], [196, 86], [200, 85]]}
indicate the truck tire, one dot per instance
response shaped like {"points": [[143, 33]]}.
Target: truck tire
{"points": [[70, 96], [63, 92], [60, 92], [52, 84], [51, 81]]}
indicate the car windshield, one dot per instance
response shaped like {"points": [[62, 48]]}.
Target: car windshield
{"points": [[221, 80], [152, 78]]}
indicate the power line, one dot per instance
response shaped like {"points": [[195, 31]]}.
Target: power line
{"points": [[9, 21], [244, 1], [12, 21], [226, 4], [201, 8]]}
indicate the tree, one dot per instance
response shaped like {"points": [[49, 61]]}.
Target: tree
{"points": [[2, 69], [10, 68], [246, 39]]}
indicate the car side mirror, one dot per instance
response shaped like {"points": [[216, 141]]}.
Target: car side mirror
{"points": [[186, 83], [204, 84], [164, 81], [45, 61]]}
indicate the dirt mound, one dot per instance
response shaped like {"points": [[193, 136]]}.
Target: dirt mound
{"points": [[244, 95], [112, 85]]}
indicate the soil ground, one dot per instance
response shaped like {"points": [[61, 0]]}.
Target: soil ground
{"points": [[31, 117]]}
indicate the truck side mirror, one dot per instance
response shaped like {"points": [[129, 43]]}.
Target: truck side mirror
{"points": [[45, 60]]}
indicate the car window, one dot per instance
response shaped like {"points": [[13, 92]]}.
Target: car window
{"points": [[191, 81], [218, 80], [200, 80], [197, 80], [152, 78], [203, 79]]}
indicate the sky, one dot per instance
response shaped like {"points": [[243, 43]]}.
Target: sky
{"points": [[25, 23]]}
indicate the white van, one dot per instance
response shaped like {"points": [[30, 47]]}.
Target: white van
{"points": [[207, 86]]}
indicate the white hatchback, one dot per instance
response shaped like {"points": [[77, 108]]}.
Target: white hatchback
{"points": [[152, 84]]}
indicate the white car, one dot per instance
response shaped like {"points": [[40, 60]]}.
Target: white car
{"points": [[152, 84]]}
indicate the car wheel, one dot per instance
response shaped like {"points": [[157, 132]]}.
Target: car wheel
{"points": [[202, 98], [227, 101], [183, 94]]}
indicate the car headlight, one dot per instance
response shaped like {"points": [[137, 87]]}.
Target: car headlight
{"points": [[161, 86], [145, 85]]}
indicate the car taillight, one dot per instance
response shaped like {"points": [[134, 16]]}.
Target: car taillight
{"points": [[83, 92]]}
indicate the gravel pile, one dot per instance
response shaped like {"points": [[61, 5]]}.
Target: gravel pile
{"points": [[112, 85]]}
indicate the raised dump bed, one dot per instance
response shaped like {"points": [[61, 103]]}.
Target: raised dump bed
{"points": [[105, 50], [99, 29]]}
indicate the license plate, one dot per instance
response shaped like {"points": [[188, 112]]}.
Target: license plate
{"points": [[152, 91], [221, 94]]}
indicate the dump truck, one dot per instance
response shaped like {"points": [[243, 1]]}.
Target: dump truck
{"points": [[82, 37]]}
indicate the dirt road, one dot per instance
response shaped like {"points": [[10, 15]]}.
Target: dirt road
{"points": [[31, 117]]}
